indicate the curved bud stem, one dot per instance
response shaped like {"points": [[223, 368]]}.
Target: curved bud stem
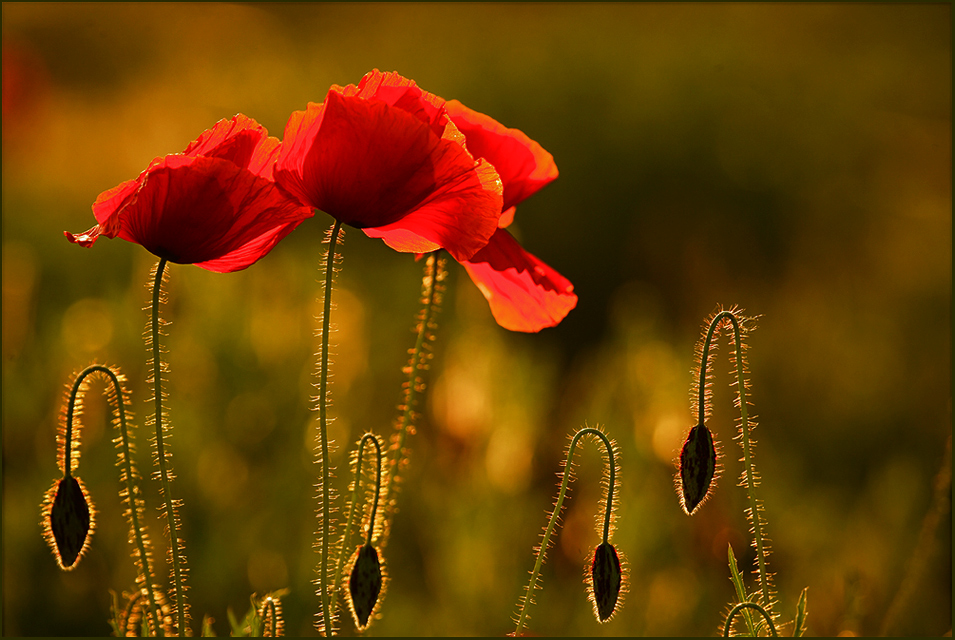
{"points": [[131, 491], [541, 550], [270, 617], [735, 319], [370, 437], [755, 507], [346, 534]]}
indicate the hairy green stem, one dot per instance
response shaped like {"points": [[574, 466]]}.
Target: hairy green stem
{"points": [[68, 436], [748, 463], [552, 522], [432, 272], [346, 534], [174, 550], [323, 429], [128, 475], [269, 616], [745, 442]]}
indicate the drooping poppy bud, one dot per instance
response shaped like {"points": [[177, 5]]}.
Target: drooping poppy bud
{"points": [[364, 585], [68, 521], [606, 579], [697, 467]]}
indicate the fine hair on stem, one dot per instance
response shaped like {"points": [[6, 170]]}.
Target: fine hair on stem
{"points": [[604, 574]]}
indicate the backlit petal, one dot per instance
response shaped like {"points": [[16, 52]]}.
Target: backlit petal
{"points": [[384, 169], [523, 292], [214, 205], [467, 201], [197, 210], [524, 166]]}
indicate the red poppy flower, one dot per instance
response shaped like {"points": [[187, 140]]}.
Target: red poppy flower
{"points": [[524, 293], [214, 205], [385, 157]]}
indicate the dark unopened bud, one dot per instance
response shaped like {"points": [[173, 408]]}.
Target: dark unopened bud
{"points": [[606, 579], [69, 521], [697, 467], [364, 585]]}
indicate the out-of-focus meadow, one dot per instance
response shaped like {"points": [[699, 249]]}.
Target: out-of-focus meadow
{"points": [[794, 160]]}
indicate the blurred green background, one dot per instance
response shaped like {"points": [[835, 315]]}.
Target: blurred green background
{"points": [[791, 159]]}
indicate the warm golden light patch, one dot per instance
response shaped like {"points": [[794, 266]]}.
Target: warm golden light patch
{"points": [[87, 326]]}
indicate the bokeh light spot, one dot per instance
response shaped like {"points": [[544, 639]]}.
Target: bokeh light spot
{"points": [[87, 326]]}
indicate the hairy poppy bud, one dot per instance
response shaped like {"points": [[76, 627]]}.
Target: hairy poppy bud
{"points": [[697, 467], [606, 579], [364, 585], [69, 521]]}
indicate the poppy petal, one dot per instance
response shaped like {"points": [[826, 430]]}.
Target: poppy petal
{"points": [[398, 91], [85, 239], [196, 210], [467, 201], [250, 252], [375, 166], [242, 141], [507, 217], [524, 166], [523, 292]]}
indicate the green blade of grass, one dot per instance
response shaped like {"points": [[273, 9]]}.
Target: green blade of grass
{"points": [[740, 589]]}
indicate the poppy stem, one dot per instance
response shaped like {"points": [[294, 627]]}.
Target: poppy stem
{"points": [[702, 403], [755, 507], [567, 475], [434, 274], [68, 454], [374, 507], [346, 534], [162, 456], [127, 475], [324, 493], [749, 477]]}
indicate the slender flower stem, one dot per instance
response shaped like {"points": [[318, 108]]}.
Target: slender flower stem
{"points": [[434, 271], [745, 441], [174, 549], [555, 514], [704, 360], [748, 463], [374, 506], [128, 475], [323, 431], [346, 534], [68, 454]]}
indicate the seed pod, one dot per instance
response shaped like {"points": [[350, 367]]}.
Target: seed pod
{"points": [[70, 521], [606, 579], [364, 585], [697, 467]]}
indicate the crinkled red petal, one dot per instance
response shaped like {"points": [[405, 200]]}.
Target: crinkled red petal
{"points": [[207, 211], [524, 166], [85, 239], [398, 91], [374, 166], [250, 252], [468, 201], [524, 293], [242, 141], [116, 199]]}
